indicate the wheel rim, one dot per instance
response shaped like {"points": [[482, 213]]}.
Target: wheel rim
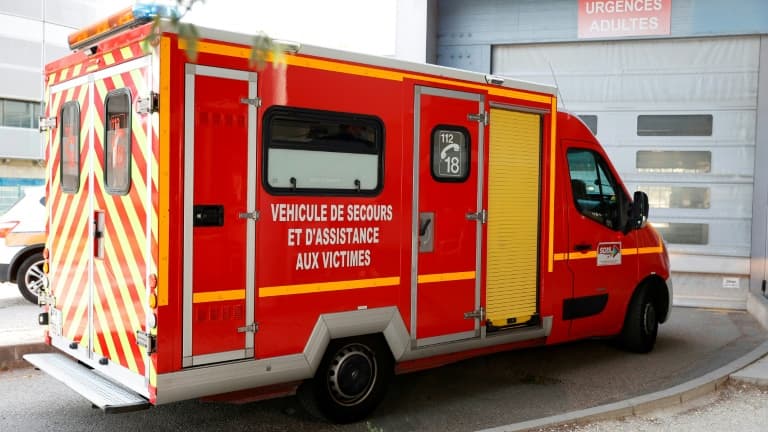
{"points": [[352, 374], [34, 278], [649, 318]]}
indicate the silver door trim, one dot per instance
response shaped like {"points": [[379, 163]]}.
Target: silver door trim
{"points": [[191, 71], [91, 209], [189, 176], [479, 224], [250, 230], [415, 210], [453, 94]]}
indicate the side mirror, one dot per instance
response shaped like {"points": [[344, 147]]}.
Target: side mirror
{"points": [[638, 213]]}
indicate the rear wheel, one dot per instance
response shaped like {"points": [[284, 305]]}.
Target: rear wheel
{"points": [[641, 324], [352, 378], [30, 277]]}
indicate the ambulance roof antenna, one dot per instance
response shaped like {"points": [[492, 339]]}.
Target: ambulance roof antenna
{"points": [[554, 78]]}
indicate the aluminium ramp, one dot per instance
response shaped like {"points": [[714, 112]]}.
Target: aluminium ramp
{"points": [[102, 392]]}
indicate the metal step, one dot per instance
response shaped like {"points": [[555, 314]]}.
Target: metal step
{"points": [[102, 392]]}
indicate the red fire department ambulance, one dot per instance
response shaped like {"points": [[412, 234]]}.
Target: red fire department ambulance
{"points": [[327, 220]]}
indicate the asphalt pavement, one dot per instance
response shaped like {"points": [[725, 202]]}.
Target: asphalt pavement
{"points": [[19, 331], [729, 348]]}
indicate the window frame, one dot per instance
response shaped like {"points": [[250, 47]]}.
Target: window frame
{"points": [[30, 120], [666, 230], [669, 195], [645, 156], [298, 114], [65, 187], [112, 190], [642, 129]]}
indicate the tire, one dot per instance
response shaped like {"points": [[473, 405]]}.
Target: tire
{"points": [[352, 378], [30, 277], [641, 324]]}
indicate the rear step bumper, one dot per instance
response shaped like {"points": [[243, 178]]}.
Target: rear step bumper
{"points": [[102, 392]]}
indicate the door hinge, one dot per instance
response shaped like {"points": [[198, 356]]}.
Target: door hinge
{"points": [[481, 117], [254, 215], [46, 123], [149, 104], [147, 341], [481, 216], [251, 101], [475, 314], [250, 328]]}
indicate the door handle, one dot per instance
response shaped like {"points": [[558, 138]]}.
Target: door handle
{"points": [[424, 226], [582, 247], [98, 234], [426, 232]]}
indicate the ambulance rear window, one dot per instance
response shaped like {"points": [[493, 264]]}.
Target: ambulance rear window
{"points": [[117, 144], [70, 147], [322, 152]]}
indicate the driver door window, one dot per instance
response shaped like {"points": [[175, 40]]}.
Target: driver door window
{"points": [[595, 191]]}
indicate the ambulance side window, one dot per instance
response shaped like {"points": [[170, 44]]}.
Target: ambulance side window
{"points": [[322, 152], [69, 166], [596, 193], [117, 143]]}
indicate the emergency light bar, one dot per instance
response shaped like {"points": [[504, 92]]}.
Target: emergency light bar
{"points": [[139, 13]]}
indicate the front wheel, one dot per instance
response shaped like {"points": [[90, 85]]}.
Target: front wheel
{"points": [[352, 378], [30, 277], [641, 324]]}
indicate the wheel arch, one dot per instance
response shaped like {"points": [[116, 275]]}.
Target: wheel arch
{"points": [[19, 258], [383, 322], [660, 292]]}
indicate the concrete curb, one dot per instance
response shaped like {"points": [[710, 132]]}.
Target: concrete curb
{"points": [[757, 306], [11, 356], [676, 395]]}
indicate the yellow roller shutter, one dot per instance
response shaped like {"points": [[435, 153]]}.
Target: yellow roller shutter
{"points": [[513, 222]]}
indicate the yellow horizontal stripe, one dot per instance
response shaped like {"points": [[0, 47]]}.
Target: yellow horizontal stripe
{"points": [[593, 254], [369, 71], [214, 296], [214, 48], [650, 250], [582, 255], [327, 286], [446, 277]]}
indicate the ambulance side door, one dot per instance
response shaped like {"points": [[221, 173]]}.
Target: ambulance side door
{"points": [[601, 256]]}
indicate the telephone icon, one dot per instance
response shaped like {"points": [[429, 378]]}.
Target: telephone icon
{"points": [[450, 147]]}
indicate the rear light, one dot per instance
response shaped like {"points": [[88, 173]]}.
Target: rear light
{"points": [[6, 227]]}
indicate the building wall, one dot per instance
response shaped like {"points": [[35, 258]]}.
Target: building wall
{"points": [[759, 251], [33, 33], [412, 31], [712, 62], [479, 23]]}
